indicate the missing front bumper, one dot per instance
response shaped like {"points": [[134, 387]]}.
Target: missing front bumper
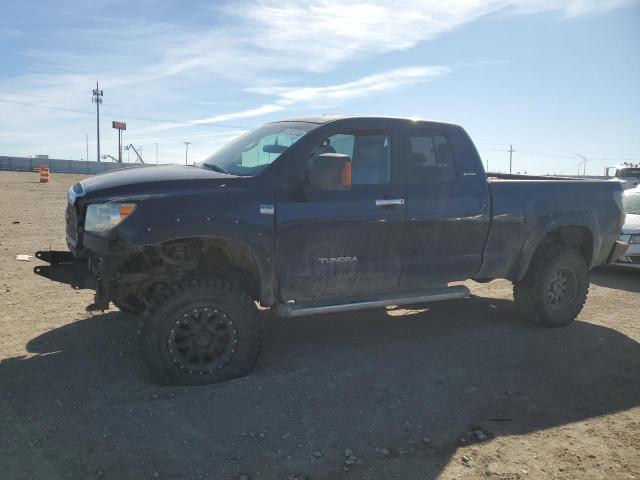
{"points": [[65, 268]]}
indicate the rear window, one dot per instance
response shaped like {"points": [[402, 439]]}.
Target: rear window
{"points": [[429, 159]]}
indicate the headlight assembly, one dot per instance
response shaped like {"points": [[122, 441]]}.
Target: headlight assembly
{"points": [[634, 239], [102, 217]]}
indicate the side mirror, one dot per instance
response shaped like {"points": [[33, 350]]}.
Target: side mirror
{"points": [[331, 171], [274, 148]]}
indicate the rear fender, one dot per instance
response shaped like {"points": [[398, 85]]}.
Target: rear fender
{"points": [[544, 227]]}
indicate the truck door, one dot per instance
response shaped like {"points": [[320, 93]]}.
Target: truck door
{"points": [[343, 244], [447, 207]]}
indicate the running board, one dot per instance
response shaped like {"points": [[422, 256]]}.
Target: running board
{"points": [[297, 310]]}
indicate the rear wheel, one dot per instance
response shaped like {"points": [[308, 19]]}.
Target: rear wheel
{"points": [[554, 289], [201, 331]]}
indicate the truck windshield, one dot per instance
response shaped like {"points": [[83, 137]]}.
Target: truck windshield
{"points": [[252, 152], [632, 204]]}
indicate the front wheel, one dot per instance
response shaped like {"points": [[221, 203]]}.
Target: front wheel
{"points": [[554, 289], [130, 305], [201, 331]]}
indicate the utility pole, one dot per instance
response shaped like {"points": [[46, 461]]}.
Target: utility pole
{"points": [[156, 153], [86, 137], [186, 152], [97, 98], [584, 163], [511, 150]]}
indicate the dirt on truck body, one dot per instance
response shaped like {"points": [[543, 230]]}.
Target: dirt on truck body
{"points": [[456, 389], [324, 215]]}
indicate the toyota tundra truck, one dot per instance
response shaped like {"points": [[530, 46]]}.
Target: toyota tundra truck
{"points": [[320, 215]]}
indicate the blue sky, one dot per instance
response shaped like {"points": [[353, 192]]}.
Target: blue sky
{"points": [[553, 78]]}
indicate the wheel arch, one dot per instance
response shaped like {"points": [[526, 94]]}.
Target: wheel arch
{"points": [[221, 256], [577, 236]]}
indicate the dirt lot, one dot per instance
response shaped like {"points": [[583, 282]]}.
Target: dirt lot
{"points": [[463, 389]]}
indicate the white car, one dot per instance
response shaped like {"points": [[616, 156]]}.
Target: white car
{"points": [[631, 230]]}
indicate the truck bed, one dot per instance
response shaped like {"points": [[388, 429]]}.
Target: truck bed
{"points": [[525, 208]]}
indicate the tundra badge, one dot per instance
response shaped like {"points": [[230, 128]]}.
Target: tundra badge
{"points": [[338, 259], [266, 209]]}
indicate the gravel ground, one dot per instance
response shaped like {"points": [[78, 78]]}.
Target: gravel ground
{"points": [[460, 389]]}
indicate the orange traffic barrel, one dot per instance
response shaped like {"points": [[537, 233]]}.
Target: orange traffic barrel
{"points": [[44, 174]]}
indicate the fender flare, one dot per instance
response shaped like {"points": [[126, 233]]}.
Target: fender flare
{"points": [[546, 225], [262, 260]]}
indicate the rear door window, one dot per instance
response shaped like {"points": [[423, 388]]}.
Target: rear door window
{"points": [[429, 158]]}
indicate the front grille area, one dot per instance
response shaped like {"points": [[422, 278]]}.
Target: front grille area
{"points": [[71, 219], [635, 258]]}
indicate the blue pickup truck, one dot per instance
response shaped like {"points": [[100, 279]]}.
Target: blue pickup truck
{"points": [[320, 215]]}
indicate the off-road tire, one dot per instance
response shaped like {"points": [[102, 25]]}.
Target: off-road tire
{"points": [[128, 307], [180, 312], [536, 296]]}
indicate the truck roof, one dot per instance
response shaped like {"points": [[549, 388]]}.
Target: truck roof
{"points": [[320, 119]]}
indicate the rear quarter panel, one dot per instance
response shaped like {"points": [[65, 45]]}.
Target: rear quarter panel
{"points": [[525, 211]]}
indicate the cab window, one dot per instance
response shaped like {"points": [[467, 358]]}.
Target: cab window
{"points": [[429, 159], [369, 152]]}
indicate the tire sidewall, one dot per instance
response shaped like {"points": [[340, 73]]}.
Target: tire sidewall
{"points": [[573, 261], [239, 310]]}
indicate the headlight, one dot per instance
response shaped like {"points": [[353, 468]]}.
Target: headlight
{"points": [[102, 217], [634, 238]]}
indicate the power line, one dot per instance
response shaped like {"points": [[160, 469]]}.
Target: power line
{"points": [[132, 117], [66, 101], [527, 151], [62, 109], [558, 155]]}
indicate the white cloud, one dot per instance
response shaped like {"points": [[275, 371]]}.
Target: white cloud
{"points": [[318, 35], [254, 43], [254, 37], [333, 94], [252, 112], [365, 86]]}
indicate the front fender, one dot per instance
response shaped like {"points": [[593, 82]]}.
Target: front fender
{"points": [[234, 217]]}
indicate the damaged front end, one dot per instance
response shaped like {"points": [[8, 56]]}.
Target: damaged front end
{"points": [[65, 268], [79, 273], [80, 267]]}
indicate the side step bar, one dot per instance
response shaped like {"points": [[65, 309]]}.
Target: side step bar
{"points": [[297, 310]]}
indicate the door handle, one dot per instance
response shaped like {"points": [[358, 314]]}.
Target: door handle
{"points": [[389, 202]]}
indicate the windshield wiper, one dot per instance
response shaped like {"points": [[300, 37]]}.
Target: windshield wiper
{"points": [[216, 168]]}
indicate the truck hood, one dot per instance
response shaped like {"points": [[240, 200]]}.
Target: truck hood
{"points": [[631, 224], [144, 180]]}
